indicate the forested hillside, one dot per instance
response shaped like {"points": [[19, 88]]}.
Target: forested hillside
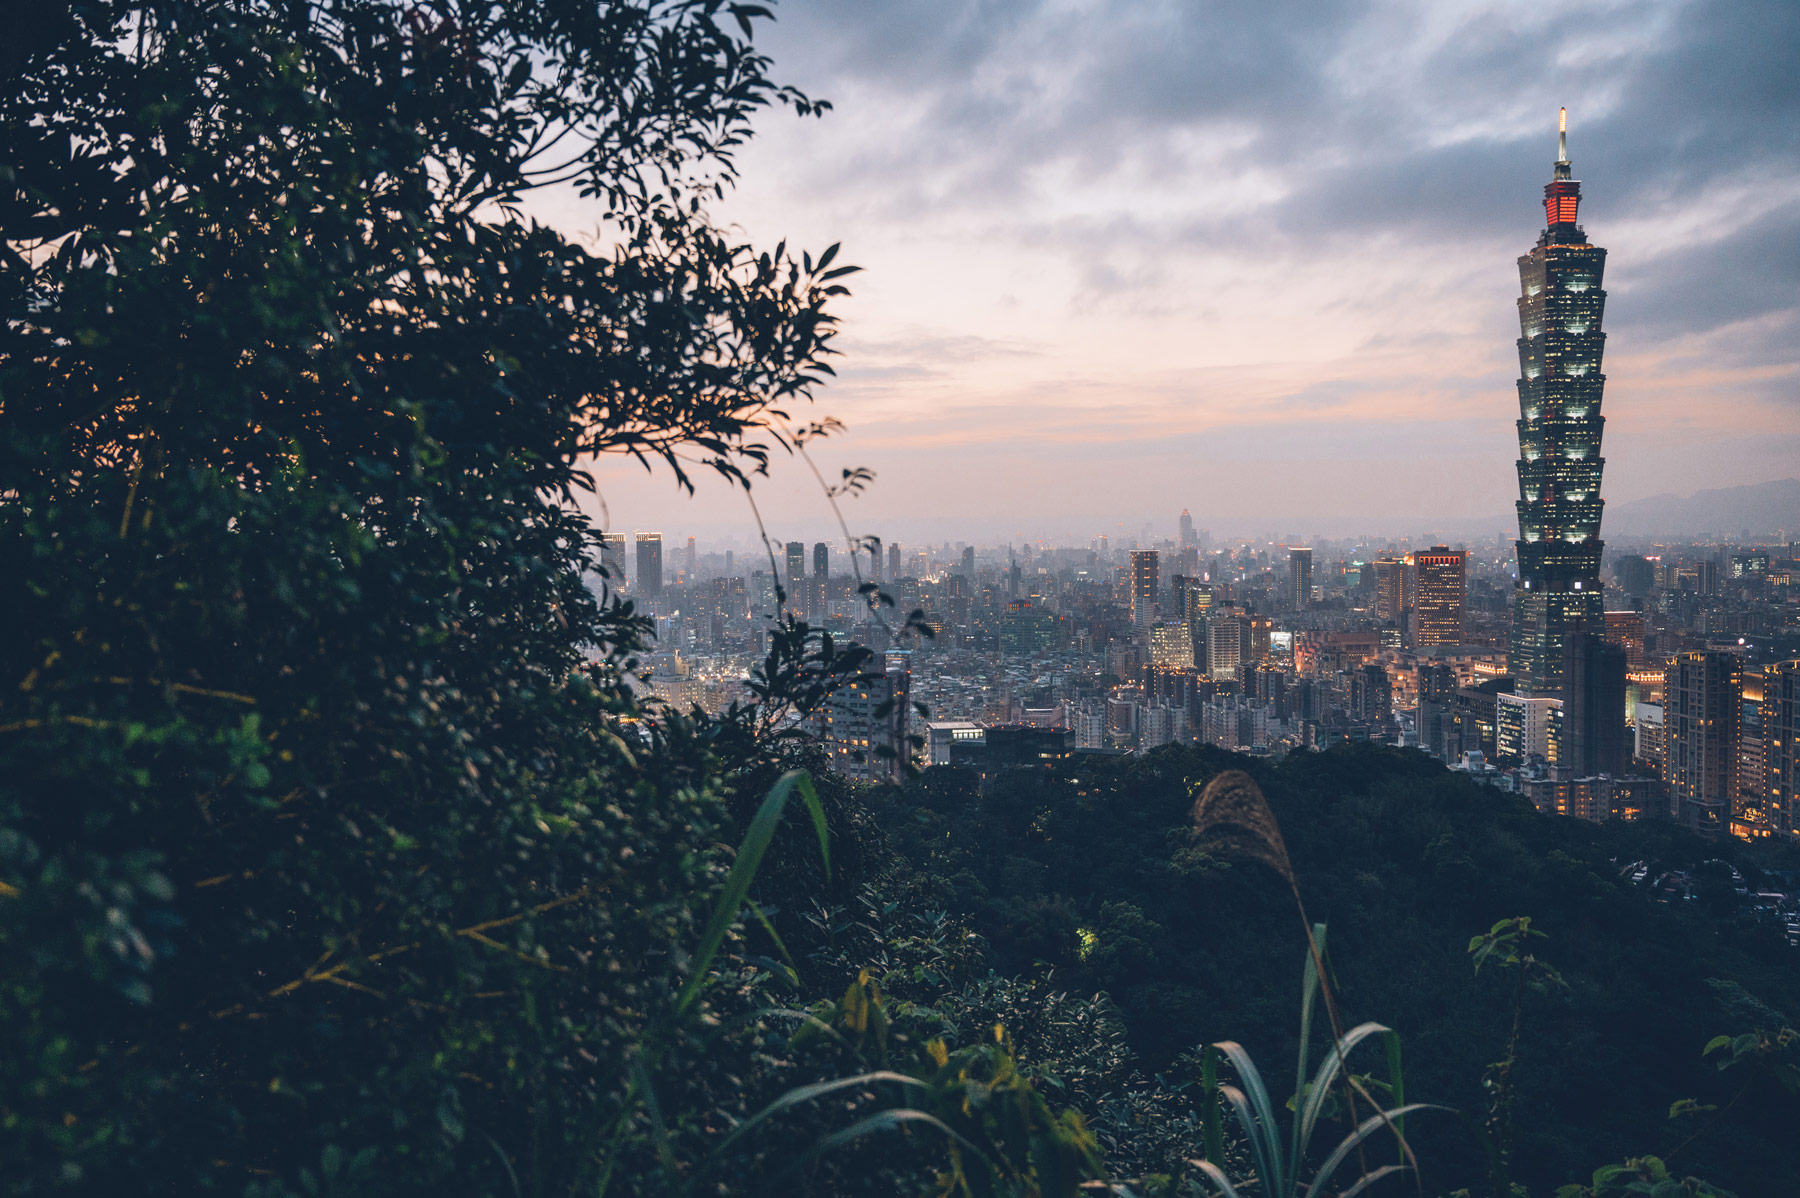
{"points": [[1095, 874]]}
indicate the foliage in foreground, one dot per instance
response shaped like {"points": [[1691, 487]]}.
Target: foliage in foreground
{"points": [[333, 838]]}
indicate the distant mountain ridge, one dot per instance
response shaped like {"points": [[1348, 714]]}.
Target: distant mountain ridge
{"points": [[1759, 508]]}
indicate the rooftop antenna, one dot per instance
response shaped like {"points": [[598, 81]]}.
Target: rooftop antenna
{"points": [[1562, 135]]}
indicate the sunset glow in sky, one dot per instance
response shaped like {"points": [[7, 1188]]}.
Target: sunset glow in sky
{"points": [[1131, 256]]}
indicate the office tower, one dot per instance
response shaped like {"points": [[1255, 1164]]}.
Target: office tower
{"points": [[1187, 529], [1749, 813], [968, 562], [874, 559], [1188, 598], [649, 565], [1525, 726], [730, 567], [1227, 644], [1300, 577], [1436, 715], [795, 587], [1593, 707], [693, 560], [1781, 753], [1371, 695], [1560, 345], [1437, 599], [1390, 590], [612, 557], [820, 597], [1172, 645], [1626, 629], [1143, 587], [894, 562], [1700, 723], [863, 725]]}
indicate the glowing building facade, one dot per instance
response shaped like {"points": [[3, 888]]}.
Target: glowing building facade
{"points": [[1560, 344]]}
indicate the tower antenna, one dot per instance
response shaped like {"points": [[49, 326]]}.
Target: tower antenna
{"points": [[1562, 135]]}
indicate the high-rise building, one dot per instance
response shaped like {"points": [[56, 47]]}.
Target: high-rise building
{"points": [[1593, 726], [1227, 644], [968, 562], [1560, 346], [1700, 724], [612, 557], [875, 559], [692, 563], [820, 595], [1300, 577], [1749, 813], [1390, 590], [1187, 529], [1525, 726], [863, 725], [1143, 587], [1437, 600], [796, 576], [894, 562], [1172, 644], [649, 565], [1781, 752]]}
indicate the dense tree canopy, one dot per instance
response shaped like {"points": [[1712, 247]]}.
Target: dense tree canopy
{"points": [[329, 832], [1095, 870]]}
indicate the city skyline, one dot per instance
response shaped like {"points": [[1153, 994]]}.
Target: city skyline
{"points": [[1156, 290]]}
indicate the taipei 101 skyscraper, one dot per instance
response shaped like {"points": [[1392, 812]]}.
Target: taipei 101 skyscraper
{"points": [[1560, 345]]}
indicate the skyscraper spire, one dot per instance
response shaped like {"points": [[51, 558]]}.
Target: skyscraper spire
{"points": [[1562, 145]]}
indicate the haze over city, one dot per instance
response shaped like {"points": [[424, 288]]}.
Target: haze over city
{"points": [[1124, 258]]}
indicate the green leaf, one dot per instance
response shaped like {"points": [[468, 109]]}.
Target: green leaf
{"points": [[743, 872]]}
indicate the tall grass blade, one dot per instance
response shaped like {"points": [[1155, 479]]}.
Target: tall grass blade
{"points": [[1212, 1128], [887, 1121], [1396, 1085], [1308, 1115], [1265, 1148], [1363, 1131], [665, 1145], [1309, 988], [1217, 1176], [743, 871], [803, 1094], [1370, 1178], [775, 936]]}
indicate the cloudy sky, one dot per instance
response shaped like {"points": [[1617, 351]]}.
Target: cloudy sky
{"points": [[1257, 260]]}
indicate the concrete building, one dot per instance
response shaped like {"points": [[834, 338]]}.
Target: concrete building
{"points": [[1300, 565], [649, 566], [1144, 583], [1439, 587], [1525, 726], [1700, 720], [1593, 707]]}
